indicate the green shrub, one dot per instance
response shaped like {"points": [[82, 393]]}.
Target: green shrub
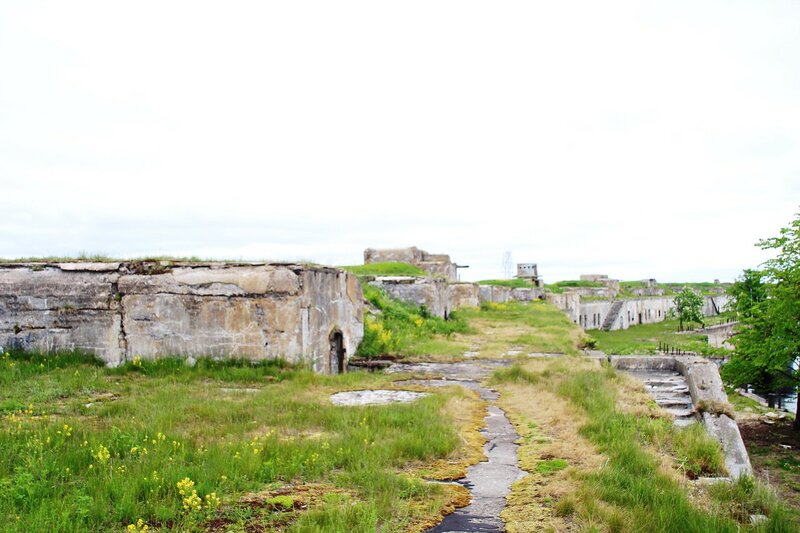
{"points": [[396, 325]]}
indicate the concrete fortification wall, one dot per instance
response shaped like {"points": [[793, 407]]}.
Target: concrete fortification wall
{"points": [[151, 309], [623, 313]]}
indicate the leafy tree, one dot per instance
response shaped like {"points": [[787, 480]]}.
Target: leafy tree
{"points": [[689, 307], [746, 292], [768, 339]]}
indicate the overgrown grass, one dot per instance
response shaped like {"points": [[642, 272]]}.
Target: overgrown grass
{"points": [[386, 269], [86, 448], [516, 283], [535, 326], [631, 492], [400, 328], [645, 339]]}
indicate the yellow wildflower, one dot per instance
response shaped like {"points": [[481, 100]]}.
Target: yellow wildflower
{"points": [[102, 454]]}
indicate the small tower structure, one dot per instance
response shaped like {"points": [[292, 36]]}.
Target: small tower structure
{"points": [[529, 271]]}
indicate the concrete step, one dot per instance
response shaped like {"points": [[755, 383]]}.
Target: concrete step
{"points": [[665, 382], [681, 413], [670, 392], [677, 388], [674, 403]]}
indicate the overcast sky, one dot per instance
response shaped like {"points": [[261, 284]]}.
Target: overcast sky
{"points": [[657, 139]]}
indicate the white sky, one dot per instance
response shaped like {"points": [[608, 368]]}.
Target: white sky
{"points": [[657, 139]]}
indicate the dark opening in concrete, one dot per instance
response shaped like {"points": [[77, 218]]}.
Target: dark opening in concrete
{"points": [[337, 362]]}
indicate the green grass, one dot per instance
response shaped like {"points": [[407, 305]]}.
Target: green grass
{"points": [[740, 403], [645, 339], [578, 283], [401, 328], [535, 326], [636, 496], [386, 269], [85, 448], [705, 288], [550, 466], [516, 283]]}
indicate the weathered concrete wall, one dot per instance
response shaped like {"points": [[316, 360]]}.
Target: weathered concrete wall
{"points": [[461, 295], [705, 386], [719, 335], [430, 292], [411, 255], [714, 305], [498, 294], [494, 294], [122, 310], [568, 302], [61, 307]]}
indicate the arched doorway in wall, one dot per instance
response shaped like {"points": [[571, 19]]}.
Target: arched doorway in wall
{"points": [[336, 362]]}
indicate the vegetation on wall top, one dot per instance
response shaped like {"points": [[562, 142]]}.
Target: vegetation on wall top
{"points": [[386, 269]]}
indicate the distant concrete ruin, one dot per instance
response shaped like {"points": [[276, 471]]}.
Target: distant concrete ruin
{"points": [[438, 265], [440, 292], [303, 314], [603, 279], [530, 272], [602, 308]]}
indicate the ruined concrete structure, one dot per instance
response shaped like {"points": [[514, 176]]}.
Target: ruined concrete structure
{"points": [[438, 265], [708, 397], [441, 293], [304, 314]]}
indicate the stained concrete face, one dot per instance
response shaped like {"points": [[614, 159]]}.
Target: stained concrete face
{"points": [[47, 308], [122, 310]]}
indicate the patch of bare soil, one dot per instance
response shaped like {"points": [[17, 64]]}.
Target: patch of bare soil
{"points": [[774, 450]]}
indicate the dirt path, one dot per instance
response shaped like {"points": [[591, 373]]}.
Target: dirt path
{"points": [[490, 481]]}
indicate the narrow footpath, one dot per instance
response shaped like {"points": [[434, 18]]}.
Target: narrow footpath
{"points": [[490, 481]]}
